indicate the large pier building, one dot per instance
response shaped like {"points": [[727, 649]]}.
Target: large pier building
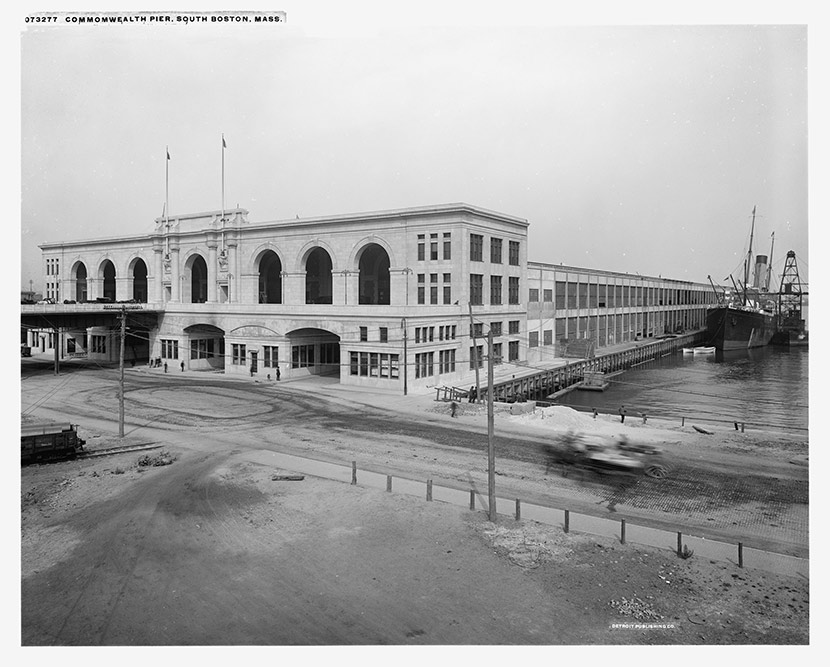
{"points": [[382, 299]]}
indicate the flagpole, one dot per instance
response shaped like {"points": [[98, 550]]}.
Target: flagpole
{"points": [[167, 199], [223, 192]]}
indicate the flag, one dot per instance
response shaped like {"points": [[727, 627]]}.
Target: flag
{"points": [[224, 145]]}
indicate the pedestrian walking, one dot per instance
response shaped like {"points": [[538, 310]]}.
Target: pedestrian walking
{"points": [[645, 418], [278, 373], [595, 412], [165, 366], [453, 408], [472, 394], [182, 367], [622, 414]]}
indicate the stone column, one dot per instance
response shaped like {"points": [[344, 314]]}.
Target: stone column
{"points": [[399, 286], [158, 275], [175, 275], [212, 269], [233, 270]]}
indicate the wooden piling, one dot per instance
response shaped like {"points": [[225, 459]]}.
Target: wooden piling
{"points": [[679, 543], [472, 499], [518, 510], [740, 554], [389, 482], [354, 472], [567, 520], [429, 489], [622, 531]]}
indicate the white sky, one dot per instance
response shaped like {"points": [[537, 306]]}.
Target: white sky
{"points": [[638, 149]]}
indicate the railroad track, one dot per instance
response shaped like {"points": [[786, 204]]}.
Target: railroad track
{"points": [[125, 449]]}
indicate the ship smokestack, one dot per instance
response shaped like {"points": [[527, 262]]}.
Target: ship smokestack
{"points": [[760, 272]]}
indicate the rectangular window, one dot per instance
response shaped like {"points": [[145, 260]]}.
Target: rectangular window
{"points": [[547, 337], [99, 344], [476, 289], [533, 296], [513, 327], [513, 350], [513, 291], [384, 335], [477, 330], [533, 339], [364, 334], [270, 356], [447, 289], [446, 361], [495, 290], [497, 358], [169, 349], [447, 246], [421, 246], [476, 248], [548, 295], [495, 327], [476, 356], [433, 288], [421, 289], [201, 348], [514, 253], [329, 354], [302, 356], [238, 354], [433, 246], [424, 364], [495, 251]]}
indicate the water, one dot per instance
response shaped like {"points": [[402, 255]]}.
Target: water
{"points": [[764, 387]]}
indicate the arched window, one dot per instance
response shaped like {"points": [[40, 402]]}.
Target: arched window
{"points": [[108, 274], [270, 278], [373, 283], [80, 283], [318, 277], [140, 281], [198, 280]]}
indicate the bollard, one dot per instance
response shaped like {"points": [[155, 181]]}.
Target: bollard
{"points": [[472, 499], [518, 510], [622, 531], [354, 472], [679, 543], [736, 426], [429, 489], [740, 554], [389, 482], [567, 520], [742, 427], [682, 421]]}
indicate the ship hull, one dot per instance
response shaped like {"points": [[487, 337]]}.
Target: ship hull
{"points": [[735, 329]]}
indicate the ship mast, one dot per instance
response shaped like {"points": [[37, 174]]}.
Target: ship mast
{"points": [[769, 266], [748, 262]]}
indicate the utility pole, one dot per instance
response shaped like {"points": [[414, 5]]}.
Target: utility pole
{"points": [[57, 345], [491, 448], [474, 358], [121, 371], [403, 326]]}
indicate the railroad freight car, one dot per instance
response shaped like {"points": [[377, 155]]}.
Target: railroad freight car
{"points": [[49, 441]]}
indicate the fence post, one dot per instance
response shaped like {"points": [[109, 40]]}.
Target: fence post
{"points": [[679, 543], [518, 510], [682, 421], [354, 472], [740, 554], [389, 482], [472, 499], [622, 531], [429, 489], [567, 520]]}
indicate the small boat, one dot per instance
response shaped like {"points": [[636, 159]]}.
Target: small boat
{"points": [[688, 350], [704, 350], [593, 381]]}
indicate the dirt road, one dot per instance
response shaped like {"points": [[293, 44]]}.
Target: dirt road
{"points": [[211, 550]]}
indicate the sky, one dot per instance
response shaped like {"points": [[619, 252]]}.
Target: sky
{"points": [[633, 148]]}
